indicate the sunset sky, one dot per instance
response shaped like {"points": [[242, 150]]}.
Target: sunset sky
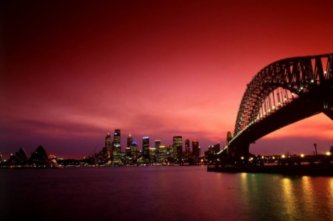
{"points": [[73, 70]]}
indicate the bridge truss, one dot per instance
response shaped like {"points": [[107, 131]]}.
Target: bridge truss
{"points": [[280, 83]]}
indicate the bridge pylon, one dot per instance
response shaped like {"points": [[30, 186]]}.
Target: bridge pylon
{"points": [[241, 151]]}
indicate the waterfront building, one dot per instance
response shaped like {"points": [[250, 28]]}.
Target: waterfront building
{"points": [[116, 148], [128, 152], [187, 150], [195, 151], [39, 157], [210, 154], [157, 146], [152, 155], [116, 140], [177, 147], [145, 148], [19, 158], [108, 146], [134, 151], [162, 154]]}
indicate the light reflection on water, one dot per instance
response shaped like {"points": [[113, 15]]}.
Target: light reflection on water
{"points": [[161, 193], [277, 197]]}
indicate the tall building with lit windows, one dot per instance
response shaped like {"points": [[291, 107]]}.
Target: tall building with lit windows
{"points": [[157, 149], [177, 144], [145, 147], [116, 140], [116, 148]]}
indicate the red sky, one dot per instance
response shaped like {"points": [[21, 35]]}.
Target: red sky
{"points": [[73, 70]]}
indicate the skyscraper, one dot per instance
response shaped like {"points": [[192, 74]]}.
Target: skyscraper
{"points": [[116, 152], [108, 146], [196, 151], [177, 145], [116, 140], [145, 147]]}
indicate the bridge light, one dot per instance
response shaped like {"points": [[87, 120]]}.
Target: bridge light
{"points": [[302, 155], [328, 153]]}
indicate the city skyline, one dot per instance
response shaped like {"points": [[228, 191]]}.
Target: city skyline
{"points": [[159, 68]]}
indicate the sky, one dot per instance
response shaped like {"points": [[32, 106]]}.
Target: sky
{"points": [[73, 70]]}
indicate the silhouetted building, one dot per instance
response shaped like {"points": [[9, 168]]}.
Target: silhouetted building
{"points": [[39, 157], [116, 140], [134, 151], [128, 152], [157, 144], [210, 154], [177, 145], [116, 148], [108, 146], [162, 154], [187, 149], [157, 151], [19, 158], [152, 155], [195, 151], [145, 148]]}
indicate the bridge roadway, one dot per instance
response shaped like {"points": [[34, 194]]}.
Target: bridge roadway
{"points": [[301, 108]]}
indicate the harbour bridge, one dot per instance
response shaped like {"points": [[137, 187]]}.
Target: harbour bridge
{"points": [[280, 94]]}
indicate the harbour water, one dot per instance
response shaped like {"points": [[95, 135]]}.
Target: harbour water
{"points": [[161, 193]]}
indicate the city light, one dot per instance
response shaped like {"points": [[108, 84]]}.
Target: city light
{"points": [[283, 156], [302, 155], [328, 153]]}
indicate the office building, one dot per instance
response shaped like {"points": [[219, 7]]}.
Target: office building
{"points": [[177, 145], [145, 147]]}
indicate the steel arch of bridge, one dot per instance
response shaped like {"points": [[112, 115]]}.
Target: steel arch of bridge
{"points": [[294, 76]]}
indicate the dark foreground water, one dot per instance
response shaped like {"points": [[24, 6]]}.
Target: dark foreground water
{"points": [[161, 193]]}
